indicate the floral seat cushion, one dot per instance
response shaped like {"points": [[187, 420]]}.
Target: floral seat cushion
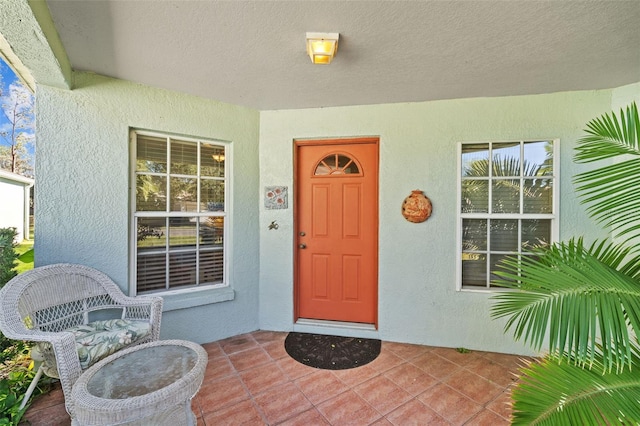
{"points": [[99, 339]]}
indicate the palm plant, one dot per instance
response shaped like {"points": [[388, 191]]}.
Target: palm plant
{"points": [[584, 299]]}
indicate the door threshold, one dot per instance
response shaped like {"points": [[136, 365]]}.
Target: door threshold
{"points": [[335, 324]]}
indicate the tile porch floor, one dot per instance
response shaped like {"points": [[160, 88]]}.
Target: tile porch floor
{"points": [[250, 380]]}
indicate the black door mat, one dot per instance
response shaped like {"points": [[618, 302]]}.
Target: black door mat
{"points": [[331, 352]]}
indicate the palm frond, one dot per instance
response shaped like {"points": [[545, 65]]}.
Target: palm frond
{"points": [[576, 296], [612, 195], [610, 136], [611, 190], [556, 393]]}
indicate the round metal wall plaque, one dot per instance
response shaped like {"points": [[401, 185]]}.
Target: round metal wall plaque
{"points": [[416, 207]]}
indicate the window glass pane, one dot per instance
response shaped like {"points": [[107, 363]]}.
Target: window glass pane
{"points": [[495, 260], [535, 233], [182, 232], [506, 159], [538, 195], [474, 234], [505, 196], [172, 176], [539, 158], [212, 160], [151, 232], [151, 154], [151, 272], [211, 231], [182, 269], [336, 164], [475, 160], [504, 234], [347, 165], [211, 266], [151, 193], [184, 158], [212, 195], [184, 194], [474, 269], [475, 196]]}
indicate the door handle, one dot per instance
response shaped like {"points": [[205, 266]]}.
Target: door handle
{"points": [[302, 246]]}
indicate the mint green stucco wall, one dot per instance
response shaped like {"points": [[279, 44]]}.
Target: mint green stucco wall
{"points": [[82, 195], [623, 96], [418, 301], [83, 205]]}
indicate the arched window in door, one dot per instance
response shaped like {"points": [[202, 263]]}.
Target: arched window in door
{"points": [[337, 164]]}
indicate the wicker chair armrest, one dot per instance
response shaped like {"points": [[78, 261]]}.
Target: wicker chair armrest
{"points": [[136, 301], [23, 333]]}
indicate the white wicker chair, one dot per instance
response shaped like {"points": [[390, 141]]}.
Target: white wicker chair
{"points": [[41, 306]]}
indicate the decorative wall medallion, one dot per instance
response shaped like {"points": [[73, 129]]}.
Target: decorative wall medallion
{"points": [[275, 197], [416, 207]]}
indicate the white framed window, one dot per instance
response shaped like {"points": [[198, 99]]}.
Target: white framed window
{"points": [[507, 205], [180, 212]]}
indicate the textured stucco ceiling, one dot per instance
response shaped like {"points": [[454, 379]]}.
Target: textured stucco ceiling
{"points": [[252, 53]]}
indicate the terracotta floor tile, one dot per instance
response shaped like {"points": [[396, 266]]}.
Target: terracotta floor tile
{"points": [[415, 413], [491, 370], [195, 407], [477, 388], [262, 336], [238, 343], [251, 380], [275, 349], [348, 409], [282, 403], [54, 415], [54, 397], [261, 378], [218, 368], [293, 369], [382, 394], [213, 350], [308, 418], [487, 418], [249, 359], [405, 350], [449, 404], [221, 393], [410, 378], [507, 360], [355, 376], [242, 413], [460, 358], [435, 365], [502, 405], [381, 422], [386, 361], [320, 386]]}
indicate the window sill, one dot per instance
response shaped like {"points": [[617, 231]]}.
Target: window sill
{"points": [[200, 297]]}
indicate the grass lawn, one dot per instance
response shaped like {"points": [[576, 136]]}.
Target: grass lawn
{"points": [[25, 256]]}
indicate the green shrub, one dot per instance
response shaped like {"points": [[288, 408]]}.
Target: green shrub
{"points": [[8, 255], [16, 370]]}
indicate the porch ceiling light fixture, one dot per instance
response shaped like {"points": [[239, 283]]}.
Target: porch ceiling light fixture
{"points": [[322, 47]]}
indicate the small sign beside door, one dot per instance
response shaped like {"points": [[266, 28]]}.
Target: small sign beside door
{"points": [[275, 197]]}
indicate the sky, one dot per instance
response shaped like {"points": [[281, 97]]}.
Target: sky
{"points": [[8, 78]]}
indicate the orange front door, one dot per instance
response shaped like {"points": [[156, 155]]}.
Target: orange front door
{"points": [[337, 230]]}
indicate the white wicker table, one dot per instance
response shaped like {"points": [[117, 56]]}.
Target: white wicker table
{"points": [[149, 384]]}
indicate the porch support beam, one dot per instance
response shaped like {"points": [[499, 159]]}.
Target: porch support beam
{"points": [[34, 44]]}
